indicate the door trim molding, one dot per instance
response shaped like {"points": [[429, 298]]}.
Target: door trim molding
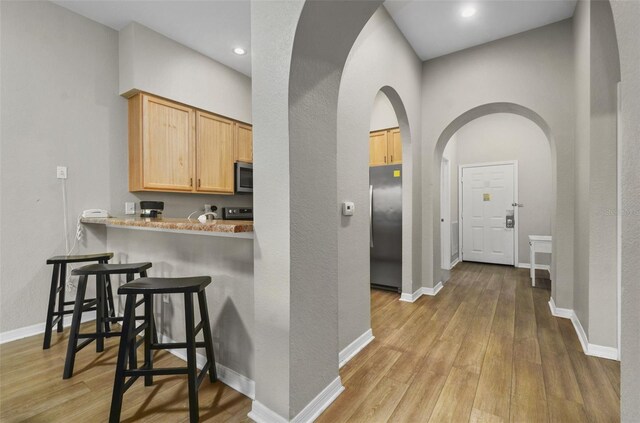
{"points": [[516, 211], [445, 214]]}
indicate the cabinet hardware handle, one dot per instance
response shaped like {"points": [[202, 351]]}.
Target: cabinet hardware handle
{"points": [[392, 158], [198, 182], [385, 159], [190, 182]]}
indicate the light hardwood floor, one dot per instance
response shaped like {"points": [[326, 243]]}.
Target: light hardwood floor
{"points": [[485, 349]]}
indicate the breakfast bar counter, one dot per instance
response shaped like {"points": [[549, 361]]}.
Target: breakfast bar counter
{"points": [[223, 228]]}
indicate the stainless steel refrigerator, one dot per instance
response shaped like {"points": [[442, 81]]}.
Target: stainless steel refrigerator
{"points": [[385, 199]]}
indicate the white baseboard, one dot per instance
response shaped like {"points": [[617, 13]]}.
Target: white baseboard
{"points": [[538, 266], [229, 377], [454, 263], [355, 347], [432, 291], [411, 298], [320, 402], [589, 349], [38, 328], [262, 414]]}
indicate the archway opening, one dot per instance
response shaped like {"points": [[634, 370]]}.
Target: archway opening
{"points": [[486, 146], [488, 121]]}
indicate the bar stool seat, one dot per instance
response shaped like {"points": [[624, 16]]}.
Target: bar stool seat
{"points": [[105, 313], [80, 258], [165, 285], [125, 377], [58, 280], [111, 269]]}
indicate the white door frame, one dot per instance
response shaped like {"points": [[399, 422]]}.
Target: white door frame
{"points": [[515, 208], [445, 214], [619, 216]]}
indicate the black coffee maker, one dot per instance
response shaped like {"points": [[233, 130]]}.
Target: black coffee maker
{"points": [[151, 208]]}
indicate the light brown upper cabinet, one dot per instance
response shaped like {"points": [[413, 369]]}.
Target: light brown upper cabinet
{"points": [[161, 145], [394, 146], [385, 147], [378, 148], [177, 148], [244, 143], [214, 153]]}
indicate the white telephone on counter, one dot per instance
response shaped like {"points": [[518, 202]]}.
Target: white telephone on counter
{"points": [[95, 213]]}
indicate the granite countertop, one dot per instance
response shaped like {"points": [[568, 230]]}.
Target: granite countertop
{"points": [[211, 227]]}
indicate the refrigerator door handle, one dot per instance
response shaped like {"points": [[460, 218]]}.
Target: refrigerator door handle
{"points": [[371, 216]]}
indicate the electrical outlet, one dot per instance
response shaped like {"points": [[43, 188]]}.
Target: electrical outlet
{"points": [[61, 172], [129, 208]]}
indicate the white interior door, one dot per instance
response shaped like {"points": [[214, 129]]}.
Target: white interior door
{"points": [[488, 195]]}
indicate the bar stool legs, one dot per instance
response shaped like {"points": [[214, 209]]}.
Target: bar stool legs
{"points": [[73, 347], [123, 351], [52, 303], [192, 371], [208, 340]]}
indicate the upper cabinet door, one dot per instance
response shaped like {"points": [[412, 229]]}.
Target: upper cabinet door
{"points": [[244, 143], [394, 149], [167, 145], [215, 142], [378, 148]]}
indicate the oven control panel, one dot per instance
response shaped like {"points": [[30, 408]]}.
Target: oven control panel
{"points": [[237, 213]]}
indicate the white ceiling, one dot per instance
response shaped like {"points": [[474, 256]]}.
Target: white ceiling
{"points": [[435, 27], [213, 28]]}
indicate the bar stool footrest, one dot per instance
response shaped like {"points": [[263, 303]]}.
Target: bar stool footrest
{"points": [[175, 345], [156, 372]]}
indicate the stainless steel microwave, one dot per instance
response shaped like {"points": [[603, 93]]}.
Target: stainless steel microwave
{"points": [[244, 177]]}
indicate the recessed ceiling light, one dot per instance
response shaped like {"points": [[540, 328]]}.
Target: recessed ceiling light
{"points": [[239, 51], [468, 11]]}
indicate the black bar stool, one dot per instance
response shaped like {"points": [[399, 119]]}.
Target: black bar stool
{"points": [[149, 287], [101, 271], [58, 280]]}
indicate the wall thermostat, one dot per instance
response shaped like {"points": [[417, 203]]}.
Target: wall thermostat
{"points": [[347, 208]]}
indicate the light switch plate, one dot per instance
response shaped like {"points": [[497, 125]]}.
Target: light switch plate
{"points": [[129, 208], [348, 208]]}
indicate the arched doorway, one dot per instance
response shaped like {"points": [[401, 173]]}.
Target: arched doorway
{"points": [[455, 126]]}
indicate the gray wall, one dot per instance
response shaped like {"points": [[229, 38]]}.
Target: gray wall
{"points": [[533, 69], [382, 116], [501, 137], [60, 106], [298, 57], [582, 35], [597, 73], [627, 15], [604, 77], [381, 57], [156, 64]]}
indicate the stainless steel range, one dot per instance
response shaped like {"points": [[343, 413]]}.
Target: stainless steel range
{"points": [[237, 213]]}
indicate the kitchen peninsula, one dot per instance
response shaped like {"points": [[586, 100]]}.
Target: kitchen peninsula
{"points": [[230, 228], [221, 249]]}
